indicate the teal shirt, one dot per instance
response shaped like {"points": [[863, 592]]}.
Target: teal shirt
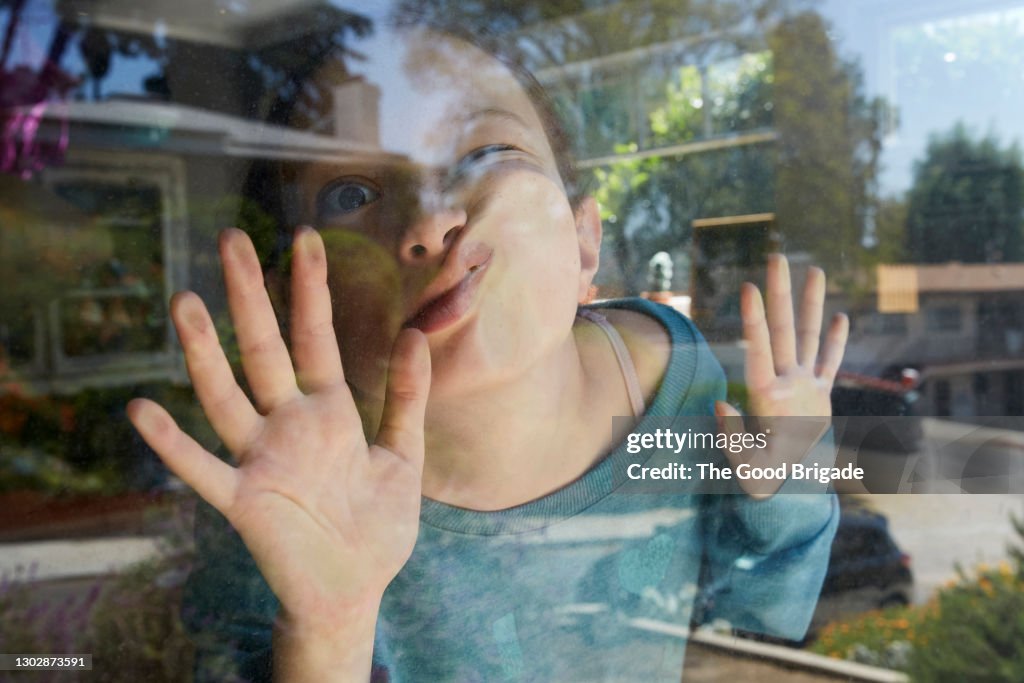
{"points": [[551, 590]]}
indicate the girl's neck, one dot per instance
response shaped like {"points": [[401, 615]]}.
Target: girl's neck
{"points": [[531, 436]]}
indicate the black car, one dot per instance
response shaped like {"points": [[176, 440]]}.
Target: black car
{"points": [[867, 570], [880, 414]]}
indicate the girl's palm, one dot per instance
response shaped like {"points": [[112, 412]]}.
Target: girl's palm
{"points": [[328, 518]]}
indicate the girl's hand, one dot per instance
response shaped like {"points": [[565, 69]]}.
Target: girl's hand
{"points": [[786, 375], [329, 519]]}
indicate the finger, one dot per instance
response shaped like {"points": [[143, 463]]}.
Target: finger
{"points": [[405, 403], [314, 343], [265, 359], [780, 314], [214, 480], [730, 422], [835, 347], [811, 307], [225, 404], [760, 368]]}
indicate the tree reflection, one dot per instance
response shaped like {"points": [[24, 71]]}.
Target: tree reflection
{"points": [[830, 138], [789, 128], [966, 202]]}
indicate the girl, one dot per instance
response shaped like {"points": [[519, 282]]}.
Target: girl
{"points": [[427, 482]]}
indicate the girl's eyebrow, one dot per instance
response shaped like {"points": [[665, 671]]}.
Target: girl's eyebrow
{"points": [[496, 112]]}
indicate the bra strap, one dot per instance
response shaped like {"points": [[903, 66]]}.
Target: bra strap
{"points": [[629, 375]]}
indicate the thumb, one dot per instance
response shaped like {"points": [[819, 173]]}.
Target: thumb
{"points": [[730, 422], [405, 400], [728, 419]]}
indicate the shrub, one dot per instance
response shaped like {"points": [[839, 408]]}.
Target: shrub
{"points": [[975, 630], [880, 638], [971, 630], [129, 623], [30, 625], [135, 632]]}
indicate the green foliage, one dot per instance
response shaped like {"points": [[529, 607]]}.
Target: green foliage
{"points": [[975, 630], [680, 118], [27, 468], [879, 638], [828, 146], [129, 623], [37, 448], [617, 182], [971, 630], [30, 625], [649, 202], [135, 628], [967, 201], [84, 444], [819, 177], [889, 243]]}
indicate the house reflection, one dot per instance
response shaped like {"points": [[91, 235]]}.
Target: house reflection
{"points": [[960, 325]]}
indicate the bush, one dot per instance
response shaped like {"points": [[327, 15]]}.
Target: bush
{"points": [[29, 625], [880, 638], [135, 632], [975, 630], [971, 630], [129, 623]]}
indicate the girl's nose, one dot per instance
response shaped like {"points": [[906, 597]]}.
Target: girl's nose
{"points": [[431, 234]]}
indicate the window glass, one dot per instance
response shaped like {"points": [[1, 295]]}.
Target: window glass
{"points": [[570, 156], [943, 318]]}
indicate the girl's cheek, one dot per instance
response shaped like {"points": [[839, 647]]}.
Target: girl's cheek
{"points": [[532, 195], [366, 300]]}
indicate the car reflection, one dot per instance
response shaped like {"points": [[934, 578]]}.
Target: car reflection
{"points": [[867, 569]]}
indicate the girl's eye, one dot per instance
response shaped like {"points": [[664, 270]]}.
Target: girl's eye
{"points": [[345, 197], [481, 154]]}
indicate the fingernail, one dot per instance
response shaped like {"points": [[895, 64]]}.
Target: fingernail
{"points": [[239, 247], [146, 421], [302, 240], [235, 240], [193, 314]]}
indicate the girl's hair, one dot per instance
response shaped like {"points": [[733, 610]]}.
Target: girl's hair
{"points": [[263, 187]]}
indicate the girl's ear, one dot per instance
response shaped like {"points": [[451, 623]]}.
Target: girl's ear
{"points": [[588, 233]]}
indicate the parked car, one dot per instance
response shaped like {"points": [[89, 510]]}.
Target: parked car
{"points": [[881, 412], [867, 569]]}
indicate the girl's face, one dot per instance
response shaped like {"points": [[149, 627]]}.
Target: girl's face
{"points": [[459, 225]]}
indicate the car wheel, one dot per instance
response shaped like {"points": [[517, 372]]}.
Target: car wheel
{"points": [[895, 600]]}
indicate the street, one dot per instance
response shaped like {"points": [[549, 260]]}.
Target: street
{"points": [[940, 531], [956, 495]]}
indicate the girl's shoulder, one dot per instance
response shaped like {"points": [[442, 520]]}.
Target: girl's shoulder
{"points": [[672, 359], [648, 342]]}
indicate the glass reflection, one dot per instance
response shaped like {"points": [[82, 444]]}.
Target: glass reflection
{"points": [[878, 141]]}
